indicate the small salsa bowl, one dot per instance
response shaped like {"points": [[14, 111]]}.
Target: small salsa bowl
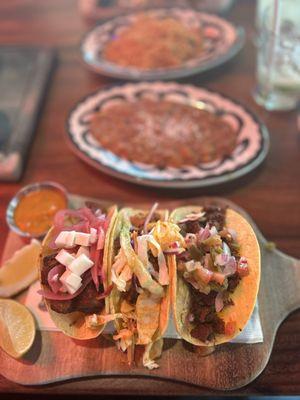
{"points": [[15, 201]]}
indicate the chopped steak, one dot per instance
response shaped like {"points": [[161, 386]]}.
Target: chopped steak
{"points": [[215, 216], [48, 263], [206, 321], [203, 313], [218, 325], [86, 302], [61, 307], [203, 299], [233, 281], [202, 332], [192, 226]]}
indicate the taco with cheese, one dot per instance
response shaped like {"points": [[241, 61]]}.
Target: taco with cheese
{"points": [[73, 270]]}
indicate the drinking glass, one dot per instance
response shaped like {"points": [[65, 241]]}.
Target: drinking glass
{"points": [[278, 54]]}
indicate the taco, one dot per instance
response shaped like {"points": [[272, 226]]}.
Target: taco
{"points": [[73, 271], [216, 279], [138, 270]]}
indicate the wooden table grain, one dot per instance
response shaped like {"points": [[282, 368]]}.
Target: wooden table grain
{"points": [[270, 195]]}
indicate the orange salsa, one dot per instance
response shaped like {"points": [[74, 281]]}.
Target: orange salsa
{"points": [[35, 211]]}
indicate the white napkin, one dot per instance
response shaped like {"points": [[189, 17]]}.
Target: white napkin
{"points": [[252, 333], [36, 305]]}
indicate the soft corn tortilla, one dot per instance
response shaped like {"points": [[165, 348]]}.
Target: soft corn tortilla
{"points": [[123, 221], [75, 324], [245, 294]]}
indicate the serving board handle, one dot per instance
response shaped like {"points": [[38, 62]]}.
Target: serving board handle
{"points": [[285, 273]]}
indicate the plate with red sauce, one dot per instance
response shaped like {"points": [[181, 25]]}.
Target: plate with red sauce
{"points": [[163, 43], [167, 135]]}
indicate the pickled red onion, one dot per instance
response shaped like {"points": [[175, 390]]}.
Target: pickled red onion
{"points": [[231, 267], [219, 302], [203, 234], [86, 220], [95, 256], [55, 284], [47, 294]]}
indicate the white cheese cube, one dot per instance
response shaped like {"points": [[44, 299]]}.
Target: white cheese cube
{"points": [[70, 239], [69, 289], [71, 281], [93, 237], [83, 250], [82, 239], [61, 239], [65, 239], [80, 265], [64, 258]]}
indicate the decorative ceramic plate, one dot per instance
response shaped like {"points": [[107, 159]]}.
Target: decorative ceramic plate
{"points": [[252, 140], [221, 41]]}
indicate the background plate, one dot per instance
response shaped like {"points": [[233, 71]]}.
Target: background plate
{"points": [[252, 148], [222, 41]]}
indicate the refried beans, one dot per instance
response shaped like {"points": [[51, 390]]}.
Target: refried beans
{"points": [[163, 133]]}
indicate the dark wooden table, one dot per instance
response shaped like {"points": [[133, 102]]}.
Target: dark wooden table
{"points": [[270, 195]]}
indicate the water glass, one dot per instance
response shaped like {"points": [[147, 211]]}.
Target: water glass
{"points": [[278, 54]]}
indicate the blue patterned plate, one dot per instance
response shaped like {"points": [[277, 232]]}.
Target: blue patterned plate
{"points": [[221, 41], [251, 150]]}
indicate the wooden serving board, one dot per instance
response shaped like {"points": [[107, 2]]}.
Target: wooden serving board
{"points": [[55, 357]]}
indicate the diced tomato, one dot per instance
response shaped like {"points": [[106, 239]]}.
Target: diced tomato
{"points": [[203, 274], [243, 268], [230, 328], [218, 277]]}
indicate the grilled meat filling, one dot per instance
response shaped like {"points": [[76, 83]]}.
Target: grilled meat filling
{"points": [[203, 316], [87, 301]]}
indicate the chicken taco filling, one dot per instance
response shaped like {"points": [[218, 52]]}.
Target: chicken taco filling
{"points": [[72, 275], [141, 281], [213, 268]]}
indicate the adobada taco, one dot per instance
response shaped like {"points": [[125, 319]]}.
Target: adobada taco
{"points": [[138, 270], [73, 271], [215, 280]]}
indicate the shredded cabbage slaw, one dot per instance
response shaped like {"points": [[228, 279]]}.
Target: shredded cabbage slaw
{"points": [[140, 322]]}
